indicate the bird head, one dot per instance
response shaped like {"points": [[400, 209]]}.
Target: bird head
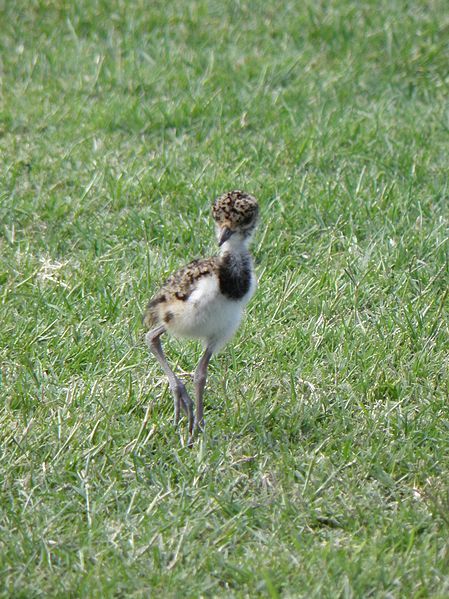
{"points": [[236, 215]]}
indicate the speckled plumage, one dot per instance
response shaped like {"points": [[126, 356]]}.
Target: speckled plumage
{"points": [[236, 210], [178, 287], [205, 299]]}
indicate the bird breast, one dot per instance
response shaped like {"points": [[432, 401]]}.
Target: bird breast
{"points": [[208, 314], [235, 275]]}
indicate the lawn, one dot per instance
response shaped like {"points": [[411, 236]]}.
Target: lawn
{"points": [[324, 468]]}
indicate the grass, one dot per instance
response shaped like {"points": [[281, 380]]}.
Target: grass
{"points": [[324, 468]]}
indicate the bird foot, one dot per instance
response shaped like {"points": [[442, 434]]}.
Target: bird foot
{"points": [[198, 428], [183, 401]]}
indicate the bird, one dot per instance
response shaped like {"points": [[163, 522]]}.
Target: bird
{"points": [[206, 299]]}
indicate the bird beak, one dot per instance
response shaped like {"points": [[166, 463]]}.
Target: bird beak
{"points": [[225, 234]]}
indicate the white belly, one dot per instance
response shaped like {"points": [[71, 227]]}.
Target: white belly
{"points": [[208, 315]]}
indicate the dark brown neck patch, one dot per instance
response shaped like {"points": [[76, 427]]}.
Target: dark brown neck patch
{"points": [[235, 276]]}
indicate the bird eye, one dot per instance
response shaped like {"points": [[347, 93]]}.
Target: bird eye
{"points": [[246, 219]]}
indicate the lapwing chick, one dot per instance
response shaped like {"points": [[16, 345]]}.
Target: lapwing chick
{"points": [[205, 300]]}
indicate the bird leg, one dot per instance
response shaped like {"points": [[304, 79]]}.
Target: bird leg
{"points": [[199, 380], [180, 396]]}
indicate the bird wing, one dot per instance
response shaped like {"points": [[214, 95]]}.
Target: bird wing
{"points": [[178, 286]]}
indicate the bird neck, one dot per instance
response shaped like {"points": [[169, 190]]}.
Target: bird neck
{"points": [[235, 271], [235, 246]]}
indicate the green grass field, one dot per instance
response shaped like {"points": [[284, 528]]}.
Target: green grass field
{"points": [[324, 470]]}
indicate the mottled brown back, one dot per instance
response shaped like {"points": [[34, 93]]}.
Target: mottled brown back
{"points": [[178, 287]]}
